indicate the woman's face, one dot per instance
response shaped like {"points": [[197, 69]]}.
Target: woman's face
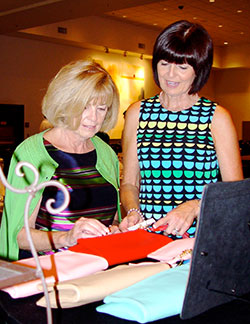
{"points": [[175, 79], [92, 119]]}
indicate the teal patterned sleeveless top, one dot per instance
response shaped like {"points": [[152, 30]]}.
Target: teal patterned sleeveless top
{"points": [[176, 155]]}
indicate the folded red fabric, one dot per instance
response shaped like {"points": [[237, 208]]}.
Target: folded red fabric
{"points": [[122, 247]]}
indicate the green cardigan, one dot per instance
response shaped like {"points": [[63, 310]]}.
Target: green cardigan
{"points": [[32, 150]]}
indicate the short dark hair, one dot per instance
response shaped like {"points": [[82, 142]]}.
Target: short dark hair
{"points": [[185, 42]]}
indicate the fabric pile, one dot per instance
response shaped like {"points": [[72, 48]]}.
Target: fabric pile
{"points": [[122, 247], [57, 267], [141, 291], [151, 299]]}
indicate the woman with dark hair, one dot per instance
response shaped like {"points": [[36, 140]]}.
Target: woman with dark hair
{"points": [[176, 142]]}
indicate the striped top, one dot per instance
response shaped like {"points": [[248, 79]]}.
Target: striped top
{"points": [[176, 155], [91, 195]]}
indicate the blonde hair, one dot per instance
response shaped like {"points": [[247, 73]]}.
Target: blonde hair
{"points": [[73, 88], [45, 124]]}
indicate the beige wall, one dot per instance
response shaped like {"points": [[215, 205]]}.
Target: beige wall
{"points": [[100, 31], [232, 90], [26, 66], [236, 56]]}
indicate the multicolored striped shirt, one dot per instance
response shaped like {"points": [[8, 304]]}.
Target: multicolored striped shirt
{"points": [[91, 195], [176, 155]]}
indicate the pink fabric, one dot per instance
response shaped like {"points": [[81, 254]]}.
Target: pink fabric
{"points": [[178, 250], [58, 267]]}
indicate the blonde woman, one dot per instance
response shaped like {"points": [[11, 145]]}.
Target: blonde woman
{"points": [[80, 101]]}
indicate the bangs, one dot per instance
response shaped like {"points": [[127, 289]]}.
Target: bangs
{"points": [[103, 95], [178, 52], [97, 88]]}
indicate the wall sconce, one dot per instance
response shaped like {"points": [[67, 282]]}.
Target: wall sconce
{"points": [[106, 49], [125, 53], [141, 57]]}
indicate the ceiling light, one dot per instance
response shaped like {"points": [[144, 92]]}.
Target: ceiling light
{"points": [[211, 0], [225, 43], [239, 11], [155, 24], [194, 18], [165, 9], [124, 16], [220, 26]]}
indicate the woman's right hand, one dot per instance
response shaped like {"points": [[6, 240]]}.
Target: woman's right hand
{"points": [[84, 228], [131, 220]]}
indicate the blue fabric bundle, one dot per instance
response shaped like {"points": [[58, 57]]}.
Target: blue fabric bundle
{"points": [[151, 299]]}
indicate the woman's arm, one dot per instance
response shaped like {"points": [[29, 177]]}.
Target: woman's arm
{"points": [[49, 240], [226, 145], [129, 190]]}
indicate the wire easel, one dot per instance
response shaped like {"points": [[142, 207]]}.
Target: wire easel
{"points": [[32, 190]]}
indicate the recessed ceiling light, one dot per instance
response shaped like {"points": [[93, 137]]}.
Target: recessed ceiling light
{"points": [[124, 16], [225, 43], [239, 11], [155, 24], [165, 9], [220, 26], [211, 0], [242, 33], [194, 18]]}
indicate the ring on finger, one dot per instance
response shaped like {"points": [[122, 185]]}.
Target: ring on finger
{"points": [[175, 231]]}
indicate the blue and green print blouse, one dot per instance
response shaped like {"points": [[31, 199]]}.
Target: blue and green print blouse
{"points": [[176, 155]]}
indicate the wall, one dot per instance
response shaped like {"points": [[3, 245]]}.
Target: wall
{"points": [[100, 31], [26, 66], [25, 69], [232, 90], [236, 56]]}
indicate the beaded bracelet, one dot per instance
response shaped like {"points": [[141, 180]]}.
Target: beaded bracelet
{"points": [[136, 210]]}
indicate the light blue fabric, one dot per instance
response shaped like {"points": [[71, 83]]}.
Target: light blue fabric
{"points": [[151, 299]]}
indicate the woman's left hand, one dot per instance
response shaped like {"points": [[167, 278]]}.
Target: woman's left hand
{"points": [[180, 218], [84, 228], [114, 229]]}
